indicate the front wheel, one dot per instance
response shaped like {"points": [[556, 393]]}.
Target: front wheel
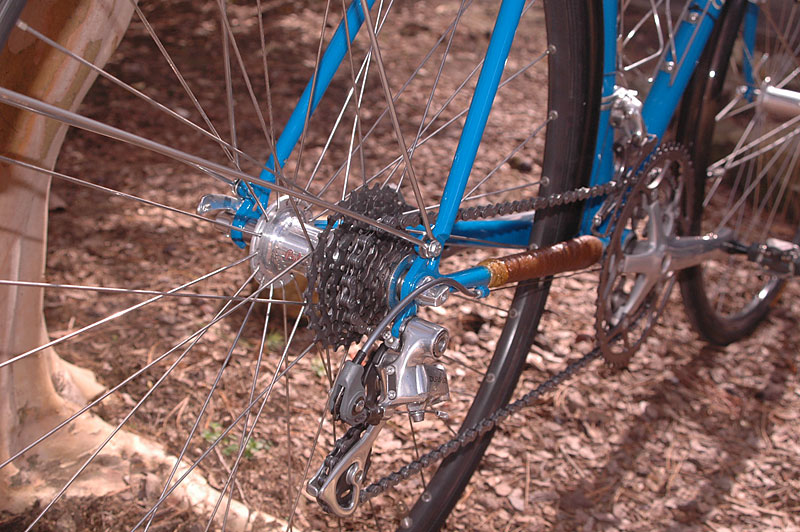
{"points": [[745, 152]]}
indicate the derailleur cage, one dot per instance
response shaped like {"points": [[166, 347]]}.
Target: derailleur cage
{"points": [[409, 379]]}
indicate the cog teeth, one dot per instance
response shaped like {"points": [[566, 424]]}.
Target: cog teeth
{"points": [[350, 268], [618, 344]]}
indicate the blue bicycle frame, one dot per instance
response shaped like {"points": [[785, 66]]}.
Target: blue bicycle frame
{"points": [[690, 38]]}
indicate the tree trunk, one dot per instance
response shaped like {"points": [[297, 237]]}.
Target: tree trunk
{"points": [[42, 390]]}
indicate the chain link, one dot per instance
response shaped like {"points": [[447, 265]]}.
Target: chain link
{"points": [[530, 204]]}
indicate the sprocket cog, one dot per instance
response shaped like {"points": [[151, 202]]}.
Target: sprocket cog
{"points": [[351, 267]]}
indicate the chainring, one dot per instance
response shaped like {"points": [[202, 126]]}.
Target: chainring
{"points": [[351, 268], [634, 284]]}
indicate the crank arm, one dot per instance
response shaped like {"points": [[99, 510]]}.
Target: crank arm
{"points": [[340, 492], [678, 253], [687, 251]]}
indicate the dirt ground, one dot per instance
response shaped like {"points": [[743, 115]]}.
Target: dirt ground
{"points": [[689, 437]]}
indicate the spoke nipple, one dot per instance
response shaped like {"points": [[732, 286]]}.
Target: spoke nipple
{"points": [[552, 115], [406, 522], [552, 49], [426, 496]]}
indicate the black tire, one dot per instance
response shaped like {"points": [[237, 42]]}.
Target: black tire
{"points": [[574, 27], [9, 13], [750, 204]]}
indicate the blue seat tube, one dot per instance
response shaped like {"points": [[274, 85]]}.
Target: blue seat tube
{"points": [[485, 92], [603, 163], [690, 40]]}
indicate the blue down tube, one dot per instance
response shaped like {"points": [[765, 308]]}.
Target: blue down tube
{"points": [[485, 91]]}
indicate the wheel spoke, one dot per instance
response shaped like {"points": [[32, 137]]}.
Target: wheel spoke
{"points": [[213, 169], [401, 143], [242, 439], [115, 290], [314, 77], [226, 63], [111, 435], [117, 193], [194, 337], [751, 186], [357, 118], [732, 160], [204, 406], [177, 72], [513, 152], [230, 150], [119, 314]]}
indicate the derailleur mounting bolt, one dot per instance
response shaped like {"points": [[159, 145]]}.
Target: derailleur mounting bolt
{"points": [[440, 343], [359, 406]]}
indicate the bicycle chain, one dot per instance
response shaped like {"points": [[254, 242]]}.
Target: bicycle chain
{"points": [[343, 444], [340, 447], [531, 204], [478, 429], [345, 271]]}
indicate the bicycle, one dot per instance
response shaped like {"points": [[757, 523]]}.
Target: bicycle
{"points": [[620, 183]]}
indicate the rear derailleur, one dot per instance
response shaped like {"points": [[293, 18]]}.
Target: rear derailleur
{"points": [[407, 378]]}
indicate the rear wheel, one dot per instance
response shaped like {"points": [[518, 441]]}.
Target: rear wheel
{"points": [[745, 147], [209, 386]]}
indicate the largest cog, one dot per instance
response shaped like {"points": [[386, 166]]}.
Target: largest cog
{"points": [[635, 282], [351, 268]]}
